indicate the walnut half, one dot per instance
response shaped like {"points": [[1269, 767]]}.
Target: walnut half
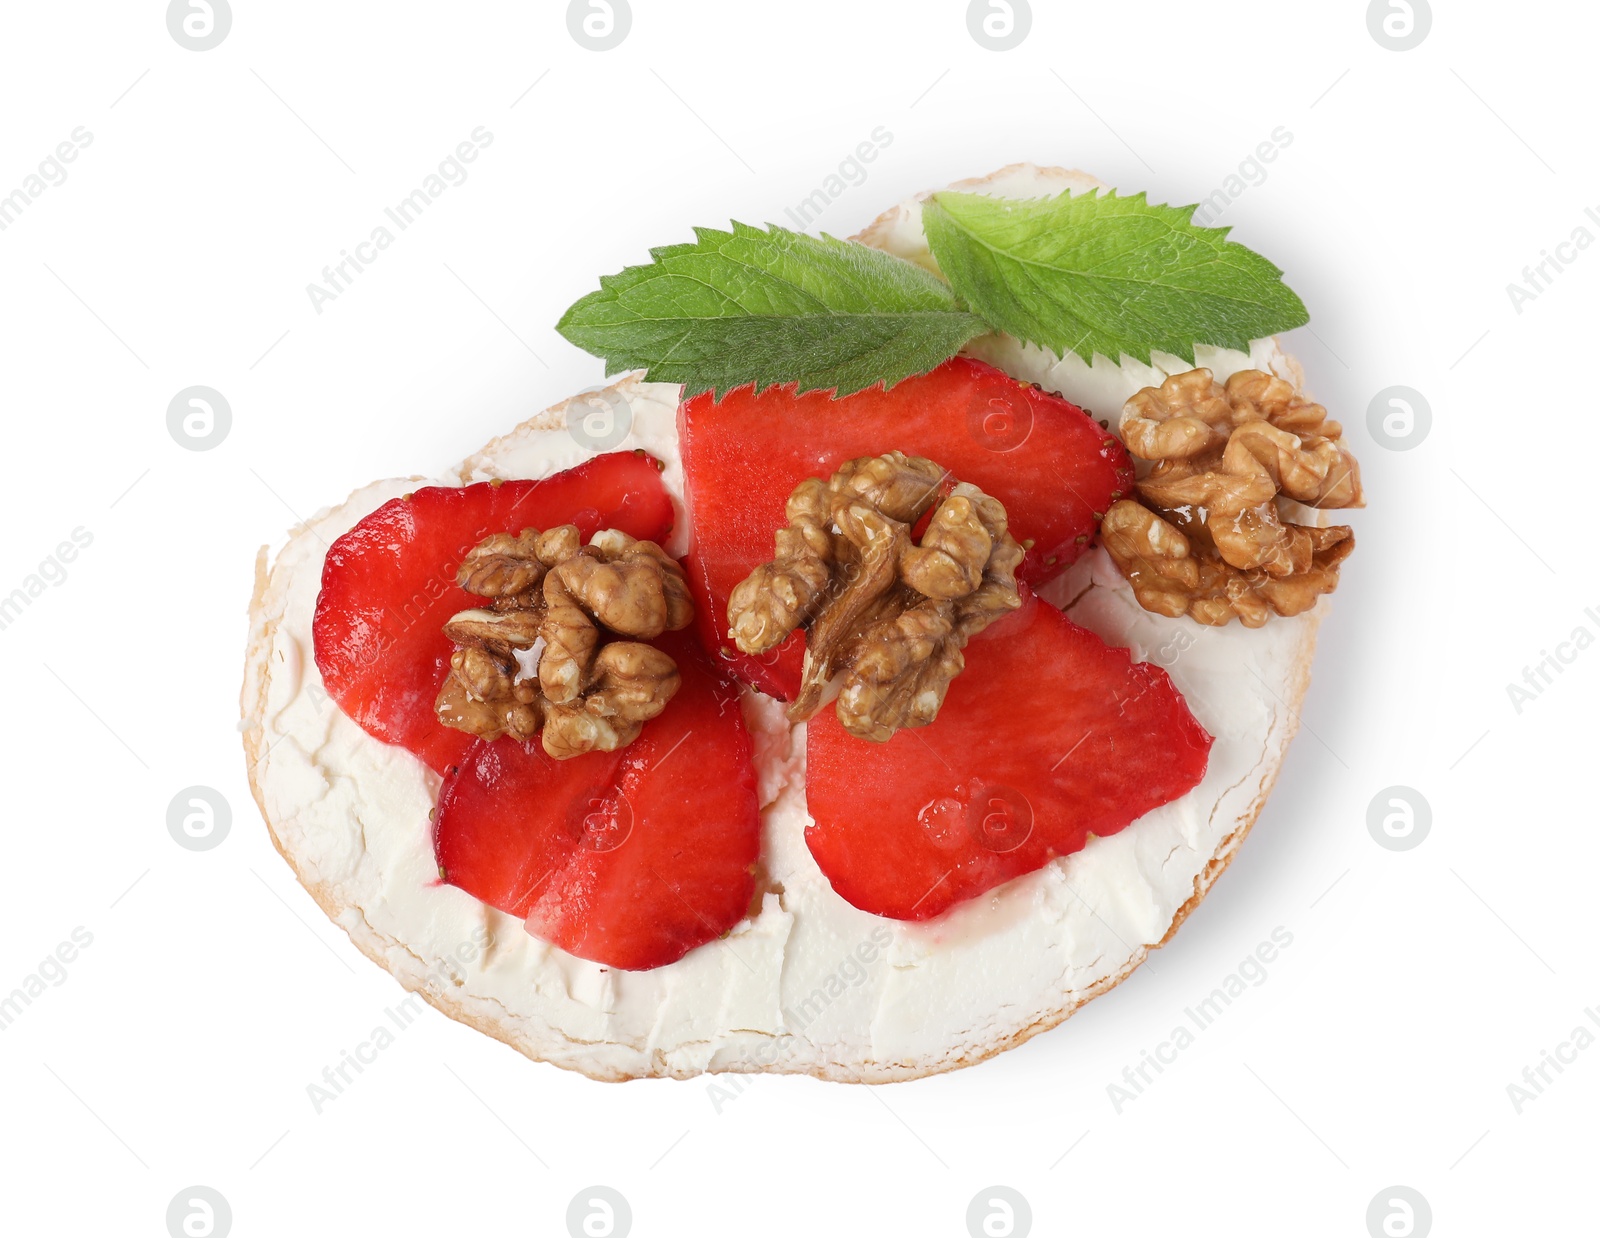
{"points": [[540, 662], [1208, 536], [1169, 578], [886, 617]]}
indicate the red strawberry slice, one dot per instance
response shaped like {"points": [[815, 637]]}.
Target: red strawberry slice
{"points": [[1054, 468], [1047, 737], [629, 858], [389, 585]]}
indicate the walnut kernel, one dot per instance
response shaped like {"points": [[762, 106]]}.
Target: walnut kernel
{"points": [[1208, 536], [885, 616], [540, 661]]}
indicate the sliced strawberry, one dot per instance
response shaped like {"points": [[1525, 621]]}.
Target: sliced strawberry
{"points": [[629, 858], [1047, 737], [389, 584], [1055, 470]]}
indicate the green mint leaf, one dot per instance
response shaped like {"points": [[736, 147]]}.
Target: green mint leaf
{"points": [[765, 307], [1097, 273]]}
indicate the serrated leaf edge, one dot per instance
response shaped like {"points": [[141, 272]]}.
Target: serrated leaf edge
{"points": [[1141, 198]]}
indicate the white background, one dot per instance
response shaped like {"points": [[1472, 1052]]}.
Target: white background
{"points": [[218, 184]]}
